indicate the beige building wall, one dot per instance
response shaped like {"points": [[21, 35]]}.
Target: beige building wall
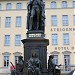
{"points": [[12, 31], [59, 49]]}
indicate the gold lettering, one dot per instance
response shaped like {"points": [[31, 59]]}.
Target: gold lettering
{"points": [[57, 29], [54, 29], [63, 29], [59, 48], [62, 48], [60, 29], [66, 29]]}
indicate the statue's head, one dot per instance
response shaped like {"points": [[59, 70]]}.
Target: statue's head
{"points": [[20, 57], [51, 57], [34, 55]]}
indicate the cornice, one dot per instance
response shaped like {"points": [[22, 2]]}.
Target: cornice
{"points": [[6, 53], [66, 52], [55, 52]]}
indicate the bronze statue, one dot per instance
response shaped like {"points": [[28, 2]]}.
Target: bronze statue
{"points": [[20, 64], [34, 65], [36, 15], [52, 66]]}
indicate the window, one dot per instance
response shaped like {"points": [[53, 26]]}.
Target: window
{"points": [[7, 40], [16, 59], [19, 6], [64, 4], [55, 59], [74, 19], [16, 56], [8, 6], [18, 21], [54, 39], [53, 4], [8, 22], [74, 38], [0, 21], [65, 20], [6, 61], [73, 4], [66, 38], [17, 40], [67, 62], [54, 20], [0, 7]]}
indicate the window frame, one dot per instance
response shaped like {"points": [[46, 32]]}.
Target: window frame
{"points": [[19, 6], [18, 41], [18, 21], [54, 40], [16, 59], [6, 40], [65, 20], [64, 5], [73, 4], [8, 22], [8, 7], [53, 4], [67, 62], [55, 59], [0, 6], [53, 20], [66, 41], [5, 60], [74, 20]]}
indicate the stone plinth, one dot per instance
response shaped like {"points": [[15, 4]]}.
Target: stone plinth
{"points": [[36, 45]]}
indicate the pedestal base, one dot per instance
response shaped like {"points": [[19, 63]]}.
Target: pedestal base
{"points": [[38, 46]]}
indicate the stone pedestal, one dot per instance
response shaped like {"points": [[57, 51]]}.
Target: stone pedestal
{"points": [[36, 45]]}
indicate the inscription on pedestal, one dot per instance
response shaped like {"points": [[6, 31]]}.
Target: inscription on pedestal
{"points": [[35, 35]]}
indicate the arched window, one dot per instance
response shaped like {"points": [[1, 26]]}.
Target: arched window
{"points": [[53, 4]]}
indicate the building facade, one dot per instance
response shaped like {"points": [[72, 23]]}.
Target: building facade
{"points": [[59, 29]]}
